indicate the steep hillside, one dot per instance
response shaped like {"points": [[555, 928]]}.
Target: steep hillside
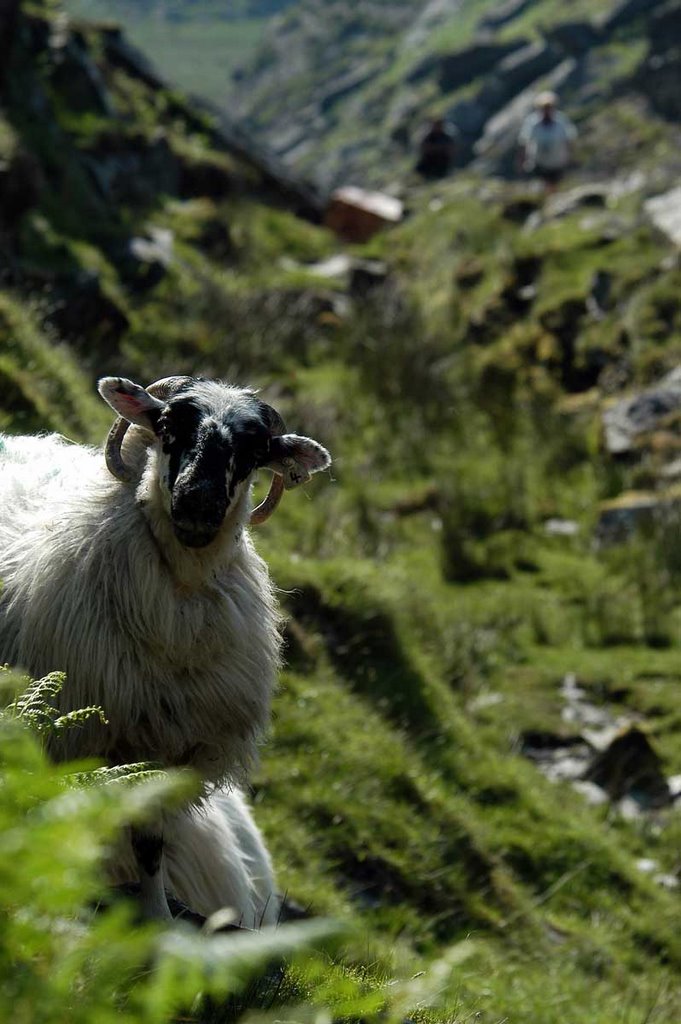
{"points": [[346, 97], [484, 600]]}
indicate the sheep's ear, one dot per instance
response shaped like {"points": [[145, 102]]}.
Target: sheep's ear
{"points": [[296, 458], [130, 401]]}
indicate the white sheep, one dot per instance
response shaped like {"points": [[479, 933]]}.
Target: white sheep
{"points": [[141, 583]]}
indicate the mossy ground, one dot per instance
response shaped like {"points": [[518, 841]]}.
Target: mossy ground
{"points": [[431, 616]]}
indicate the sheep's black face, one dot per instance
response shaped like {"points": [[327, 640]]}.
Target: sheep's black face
{"points": [[211, 436], [208, 457]]}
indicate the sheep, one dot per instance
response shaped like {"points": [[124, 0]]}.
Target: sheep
{"points": [[135, 575]]}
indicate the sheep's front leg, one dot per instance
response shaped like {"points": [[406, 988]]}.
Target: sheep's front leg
{"points": [[147, 845]]}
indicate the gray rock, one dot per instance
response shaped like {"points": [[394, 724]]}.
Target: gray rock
{"points": [[574, 37], [344, 84], [630, 767], [627, 419], [525, 65], [563, 203], [503, 13], [157, 247], [665, 212], [367, 276]]}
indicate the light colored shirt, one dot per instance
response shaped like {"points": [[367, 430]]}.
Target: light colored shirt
{"points": [[547, 143]]}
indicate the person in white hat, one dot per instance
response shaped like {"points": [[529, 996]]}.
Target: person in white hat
{"points": [[545, 141]]}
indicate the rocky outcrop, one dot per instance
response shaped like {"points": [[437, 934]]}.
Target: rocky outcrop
{"points": [[627, 420], [625, 11], [659, 76], [504, 13], [453, 70], [78, 80], [665, 212]]}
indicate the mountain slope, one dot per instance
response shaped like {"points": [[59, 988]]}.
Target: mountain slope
{"points": [[437, 618], [354, 109]]}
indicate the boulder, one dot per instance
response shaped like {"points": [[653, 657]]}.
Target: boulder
{"points": [[626, 420], [631, 511], [630, 767], [366, 276]]}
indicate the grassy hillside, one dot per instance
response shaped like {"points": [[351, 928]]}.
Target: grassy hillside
{"points": [[196, 45], [433, 612]]}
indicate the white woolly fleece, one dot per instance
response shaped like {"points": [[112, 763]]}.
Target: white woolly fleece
{"points": [[179, 646]]}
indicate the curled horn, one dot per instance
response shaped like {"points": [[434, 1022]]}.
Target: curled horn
{"points": [[262, 512], [112, 451]]}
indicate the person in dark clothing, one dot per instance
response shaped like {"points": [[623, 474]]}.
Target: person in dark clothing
{"points": [[437, 150]]}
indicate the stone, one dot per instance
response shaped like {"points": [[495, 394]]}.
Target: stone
{"points": [[157, 247], [503, 13], [642, 413], [366, 276], [561, 527], [630, 767], [621, 518], [665, 213], [563, 203]]}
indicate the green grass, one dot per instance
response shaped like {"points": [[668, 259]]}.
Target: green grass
{"points": [[198, 55]]}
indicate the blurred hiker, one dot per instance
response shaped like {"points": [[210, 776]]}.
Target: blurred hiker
{"points": [[545, 141], [437, 150]]}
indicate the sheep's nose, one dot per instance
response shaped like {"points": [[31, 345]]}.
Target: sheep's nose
{"points": [[198, 510]]}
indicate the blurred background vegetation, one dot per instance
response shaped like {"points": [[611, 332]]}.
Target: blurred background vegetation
{"points": [[484, 576]]}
